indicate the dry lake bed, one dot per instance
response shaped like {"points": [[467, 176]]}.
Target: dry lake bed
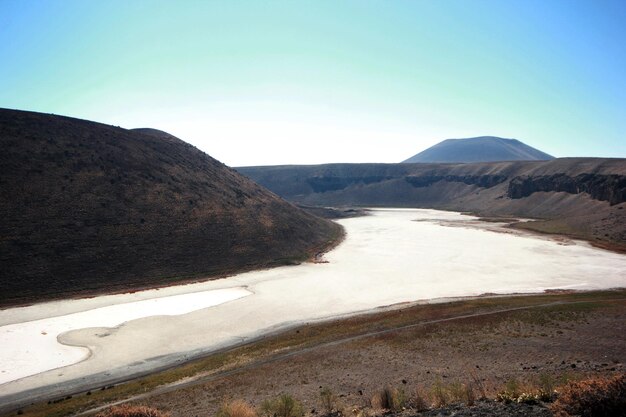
{"points": [[391, 256]]}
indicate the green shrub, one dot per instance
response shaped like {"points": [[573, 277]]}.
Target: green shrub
{"points": [[282, 406]]}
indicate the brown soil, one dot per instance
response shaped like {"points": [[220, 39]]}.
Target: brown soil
{"points": [[487, 341]]}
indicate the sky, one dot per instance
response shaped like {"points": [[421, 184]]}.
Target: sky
{"points": [[307, 82]]}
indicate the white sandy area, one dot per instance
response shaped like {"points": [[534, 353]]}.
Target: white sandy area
{"points": [[32, 346], [387, 258]]}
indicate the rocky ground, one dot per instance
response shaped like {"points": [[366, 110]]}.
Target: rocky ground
{"points": [[493, 351], [485, 408], [428, 352]]}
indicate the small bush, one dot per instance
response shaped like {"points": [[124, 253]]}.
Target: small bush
{"points": [[505, 397], [439, 394], [513, 387], [461, 393], [418, 402], [126, 410], [391, 399], [469, 394], [282, 406], [478, 385], [528, 398], [593, 397], [543, 387], [236, 408], [511, 392], [328, 400], [547, 383]]}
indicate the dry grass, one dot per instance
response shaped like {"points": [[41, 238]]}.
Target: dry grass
{"points": [[439, 395], [462, 393], [391, 399], [282, 406], [593, 397], [419, 400], [126, 410], [328, 401], [236, 408]]}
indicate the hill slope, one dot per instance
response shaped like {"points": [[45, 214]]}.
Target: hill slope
{"points": [[90, 208], [582, 197], [480, 149]]}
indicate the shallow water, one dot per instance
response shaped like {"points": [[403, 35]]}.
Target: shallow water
{"points": [[389, 257]]}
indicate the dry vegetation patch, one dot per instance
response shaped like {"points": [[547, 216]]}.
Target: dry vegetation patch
{"points": [[592, 397], [127, 410]]}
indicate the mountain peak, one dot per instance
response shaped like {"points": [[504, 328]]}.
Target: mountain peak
{"points": [[479, 149]]}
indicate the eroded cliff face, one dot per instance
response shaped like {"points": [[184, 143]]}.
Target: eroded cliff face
{"points": [[583, 197], [611, 188], [483, 181]]}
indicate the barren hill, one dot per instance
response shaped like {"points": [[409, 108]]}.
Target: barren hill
{"points": [[480, 149], [89, 208], [582, 197]]}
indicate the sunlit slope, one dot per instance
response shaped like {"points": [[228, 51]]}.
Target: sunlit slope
{"points": [[88, 207]]}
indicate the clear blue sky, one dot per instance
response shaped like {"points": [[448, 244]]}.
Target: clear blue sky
{"points": [[273, 82]]}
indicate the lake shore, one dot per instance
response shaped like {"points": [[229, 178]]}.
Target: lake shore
{"points": [[408, 347], [415, 261]]}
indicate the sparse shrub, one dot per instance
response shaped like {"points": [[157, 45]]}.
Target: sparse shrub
{"points": [[236, 408], [418, 402], [126, 410], [377, 401], [547, 384], [439, 394], [477, 385], [469, 394], [328, 400], [505, 397], [593, 397], [528, 398], [392, 399], [513, 387], [511, 392], [461, 393], [282, 406]]}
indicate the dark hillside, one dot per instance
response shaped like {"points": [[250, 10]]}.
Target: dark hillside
{"points": [[90, 208]]}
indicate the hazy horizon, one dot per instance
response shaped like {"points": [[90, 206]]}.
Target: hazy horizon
{"points": [[268, 83]]}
